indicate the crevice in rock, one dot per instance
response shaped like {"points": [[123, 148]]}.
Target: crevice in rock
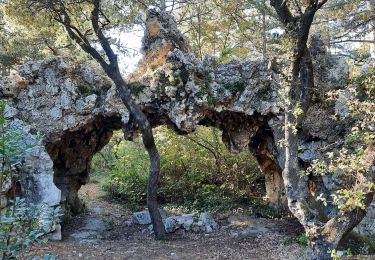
{"points": [[264, 149]]}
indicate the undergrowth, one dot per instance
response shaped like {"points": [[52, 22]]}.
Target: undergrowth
{"points": [[198, 173]]}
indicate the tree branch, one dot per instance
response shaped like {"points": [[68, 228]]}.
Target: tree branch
{"points": [[283, 11]]}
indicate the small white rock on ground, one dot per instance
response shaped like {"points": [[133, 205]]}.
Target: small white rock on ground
{"points": [[144, 218]]}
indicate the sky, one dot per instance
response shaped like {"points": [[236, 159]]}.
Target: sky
{"points": [[133, 41]]}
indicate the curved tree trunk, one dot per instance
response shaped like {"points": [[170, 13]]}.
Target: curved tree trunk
{"points": [[149, 143], [298, 87], [112, 70]]}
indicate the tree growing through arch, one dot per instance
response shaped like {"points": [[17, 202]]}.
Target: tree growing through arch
{"points": [[90, 39]]}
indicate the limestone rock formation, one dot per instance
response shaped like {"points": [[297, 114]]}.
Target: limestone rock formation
{"points": [[75, 109]]}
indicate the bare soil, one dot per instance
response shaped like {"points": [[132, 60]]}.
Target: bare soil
{"points": [[131, 241]]}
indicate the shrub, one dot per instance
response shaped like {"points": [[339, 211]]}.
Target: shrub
{"points": [[197, 171], [21, 224]]}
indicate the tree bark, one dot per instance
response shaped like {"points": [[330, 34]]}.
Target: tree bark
{"points": [[319, 249], [149, 143], [163, 6]]}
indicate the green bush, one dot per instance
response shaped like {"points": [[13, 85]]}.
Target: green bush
{"points": [[197, 170], [128, 171], [21, 224], [300, 239]]}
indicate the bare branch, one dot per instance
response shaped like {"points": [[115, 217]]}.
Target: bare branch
{"points": [[349, 40], [320, 5], [63, 18], [104, 42]]}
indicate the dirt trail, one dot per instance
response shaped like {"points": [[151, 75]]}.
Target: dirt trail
{"points": [[118, 238]]}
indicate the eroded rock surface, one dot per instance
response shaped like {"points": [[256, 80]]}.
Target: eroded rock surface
{"points": [[75, 109]]}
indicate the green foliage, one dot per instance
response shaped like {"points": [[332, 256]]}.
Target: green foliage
{"points": [[299, 239], [26, 36], [358, 244], [230, 53], [29, 30], [21, 224], [136, 88], [302, 240], [13, 146], [128, 173], [264, 92], [227, 29], [84, 90], [346, 163], [337, 255], [197, 171], [261, 208], [184, 75], [236, 87]]}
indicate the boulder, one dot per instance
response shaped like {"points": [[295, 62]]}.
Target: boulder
{"points": [[207, 223], [144, 218], [94, 228], [171, 224], [175, 222], [185, 221], [253, 231]]}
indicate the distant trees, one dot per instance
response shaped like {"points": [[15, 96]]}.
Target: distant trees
{"points": [[348, 27], [228, 29], [28, 37], [197, 170]]}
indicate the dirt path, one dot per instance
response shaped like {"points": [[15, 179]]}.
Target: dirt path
{"points": [[120, 239]]}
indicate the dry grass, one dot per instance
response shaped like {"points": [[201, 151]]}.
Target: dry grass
{"points": [[152, 60], [153, 29]]}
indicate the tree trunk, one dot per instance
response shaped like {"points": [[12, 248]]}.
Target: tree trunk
{"points": [[149, 143], [319, 249], [163, 6], [298, 88], [112, 70], [152, 187]]}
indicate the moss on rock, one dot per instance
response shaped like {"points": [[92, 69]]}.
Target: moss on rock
{"points": [[235, 87]]}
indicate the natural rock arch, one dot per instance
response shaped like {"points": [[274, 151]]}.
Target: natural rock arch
{"points": [[72, 155], [76, 109]]}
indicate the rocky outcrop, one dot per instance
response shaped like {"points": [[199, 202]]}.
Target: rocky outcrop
{"points": [[75, 112], [75, 109]]}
